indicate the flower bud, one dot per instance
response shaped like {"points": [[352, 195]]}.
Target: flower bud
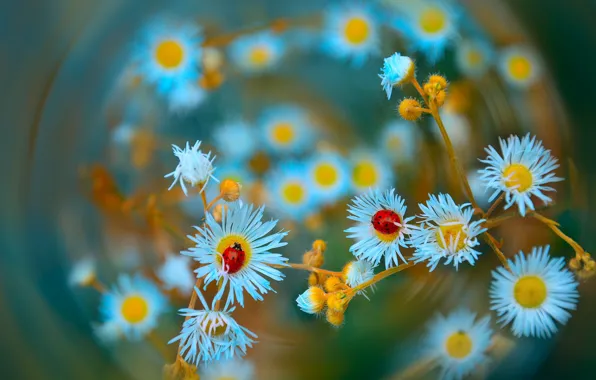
{"points": [[312, 301], [409, 109], [333, 284], [230, 190], [336, 318]]}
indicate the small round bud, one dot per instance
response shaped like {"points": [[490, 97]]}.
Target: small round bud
{"points": [[336, 318], [438, 81], [313, 279], [313, 259], [409, 109], [230, 190], [333, 284], [440, 98], [338, 301], [312, 301], [575, 264], [319, 245]]}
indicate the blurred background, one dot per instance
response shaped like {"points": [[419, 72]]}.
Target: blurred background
{"points": [[79, 125]]}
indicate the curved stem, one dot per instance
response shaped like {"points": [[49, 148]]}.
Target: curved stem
{"points": [[491, 241], [204, 199], [554, 226], [493, 207], [310, 269], [379, 276], [212, 203]]}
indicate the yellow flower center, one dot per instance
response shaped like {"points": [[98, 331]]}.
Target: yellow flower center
{"points": [[387, 238], [365, 174], [458, 345], [259, 55], [530, 291], [293, 192], [520, 68], [226, 378], [237, 262], [518, 176], [474, 57], [283, 133], [357, 30], [394, 143], [451, 235], [217, 330], [134, 309], [325, 175], [169, 54], [433, 20]]}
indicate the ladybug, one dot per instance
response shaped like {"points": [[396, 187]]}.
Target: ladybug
{"points": [[386, 222], [233, 258]]}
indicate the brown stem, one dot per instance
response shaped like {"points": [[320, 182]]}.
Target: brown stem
{"points": [[310, 269], [554, 226], [379, 276], [212, 203], [493, 207], [490, 240]]}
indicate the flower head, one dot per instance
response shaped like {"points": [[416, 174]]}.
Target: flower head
{"points": [[459, 342], [237, 252], [519, 66], [446, 231], [132, 307], [399, 141], [370, 170], [328, 176], [521, 171], [397, 70], [290, 193], [537, 292], [381, 227], [194, 167], [312, 301], [474, 57], [429, 26], [351, 33], [169, 54], [176, 273], [257, 52], [209, 334], [286, 129], [358, 272]]}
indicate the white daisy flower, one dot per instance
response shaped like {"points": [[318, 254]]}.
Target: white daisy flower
{"points": [[370, 170], [228, 370], [358, 272], [227, 136], [286, 129], [522, 169], [133, 306], [474, 57], [312, 301], [195, 167], [446, 231], [429, 26], [351, 32], [176, 273], [257, 52], [399, 141], [170, 54], [208, 334], [459, 342], [329, 176], [519, 66], [238, 252], [185, 97], [538, 293], [381, 227], [82, 273], [289, 191], [397, 70]]}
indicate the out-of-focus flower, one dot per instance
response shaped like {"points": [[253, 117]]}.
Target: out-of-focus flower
{"points": [[329, 176], [397, 70], [290, 193], [358, 272], [381, 227], [537, 292], [228, 370], [209, 334], [257, 52], [446, 231], [429, 26], [370, 171], [185, 97], [176, 273], [350, 32], [237, 252], [133, 306], [459, 342], [169, 54], [521, 171], [227, 136], [194, 167], [474, 57], [519, 66], [83, 272], [286, 129], [399, 141]]}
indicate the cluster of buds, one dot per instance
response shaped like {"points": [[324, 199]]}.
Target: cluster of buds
{"points": [[333, 300], [436, 89], [583, 265]]}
